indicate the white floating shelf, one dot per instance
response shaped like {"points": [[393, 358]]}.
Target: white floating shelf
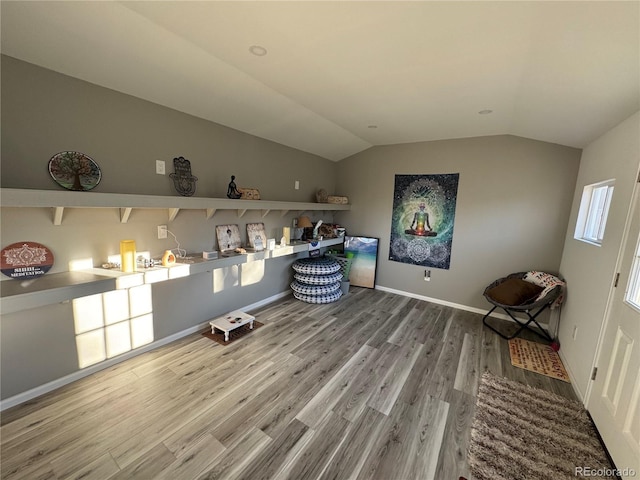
{"points": [[61, 199]]}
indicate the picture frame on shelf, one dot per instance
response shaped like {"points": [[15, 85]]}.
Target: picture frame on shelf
{"points": [[228, 237], [256, 235]]}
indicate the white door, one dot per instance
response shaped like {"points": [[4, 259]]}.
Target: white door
{"points": [[614, 402]]}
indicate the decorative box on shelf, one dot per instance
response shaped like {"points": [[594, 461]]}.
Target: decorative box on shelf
{"points": [[249, 193], [337, 200]]}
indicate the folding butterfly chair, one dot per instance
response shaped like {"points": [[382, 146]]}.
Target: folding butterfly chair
{"points": [[515, 295]]}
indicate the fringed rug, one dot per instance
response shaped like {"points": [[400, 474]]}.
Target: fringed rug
{"points": [[538, 358], [233, 334], [524, 433]]}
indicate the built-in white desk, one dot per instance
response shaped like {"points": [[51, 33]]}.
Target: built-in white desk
{"points": [[16, 295]]}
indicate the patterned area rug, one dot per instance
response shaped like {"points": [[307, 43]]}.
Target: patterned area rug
{"points": [[233, 335], [538, 358], [524, 433]]}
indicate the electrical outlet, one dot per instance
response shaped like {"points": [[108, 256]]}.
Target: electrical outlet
{"points": [[575, 332], [162, 232], [297, 185], [160, 168]]}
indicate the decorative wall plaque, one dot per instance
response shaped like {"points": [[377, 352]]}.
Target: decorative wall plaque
{"points": [[183, 180], [25, 260], [74, 171]]}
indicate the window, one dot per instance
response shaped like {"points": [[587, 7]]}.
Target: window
{"points": [[633, 292], [594, 208]]}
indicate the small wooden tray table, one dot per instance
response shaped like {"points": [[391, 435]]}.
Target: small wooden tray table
{"points": [[231, 321]]}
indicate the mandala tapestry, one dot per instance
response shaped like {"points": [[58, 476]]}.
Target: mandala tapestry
{"points": [[424, 208]]}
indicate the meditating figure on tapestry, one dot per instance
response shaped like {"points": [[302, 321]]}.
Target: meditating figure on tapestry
{"points": [[420, 219]]}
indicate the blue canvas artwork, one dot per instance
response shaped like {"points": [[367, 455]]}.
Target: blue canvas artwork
{"points": [[364, 252], [424, 210]]}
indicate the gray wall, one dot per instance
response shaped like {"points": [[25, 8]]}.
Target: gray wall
{"points": [[514, 199], [590, 270], [43, 113]]}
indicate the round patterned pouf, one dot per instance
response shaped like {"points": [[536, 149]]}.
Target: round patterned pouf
{"points": [[317, 280], [316, 266], [307, 289], [330, 298]]}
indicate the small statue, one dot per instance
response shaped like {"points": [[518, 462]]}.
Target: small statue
{"points": [[232, 191]]}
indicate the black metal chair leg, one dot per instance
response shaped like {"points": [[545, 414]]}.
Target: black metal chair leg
{"points": [[484, 320], [532, 318]]}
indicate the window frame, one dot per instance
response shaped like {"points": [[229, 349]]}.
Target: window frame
{"points": [[593, 212], [632, 295]]}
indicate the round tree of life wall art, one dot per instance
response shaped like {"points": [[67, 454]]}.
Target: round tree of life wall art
{"points": [[74, 171]]}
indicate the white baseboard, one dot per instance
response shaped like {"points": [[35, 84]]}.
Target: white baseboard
{"points": [[501, 316], [572, 377], [266, 301], [85, 372], [467, 308]]}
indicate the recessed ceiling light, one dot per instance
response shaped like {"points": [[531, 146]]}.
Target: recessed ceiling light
{"points": [[258, 50], [372, 126], [485, 112]]}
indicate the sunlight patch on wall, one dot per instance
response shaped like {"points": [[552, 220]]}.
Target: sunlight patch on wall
{"points": [[91, 348], [130, 280], [179, 271], [154, 276], [87, 313], [252, 273], [116, 306], [141, 330], [118, 339], [140, 300], [224, 278], [80, 264], [112, 323]]}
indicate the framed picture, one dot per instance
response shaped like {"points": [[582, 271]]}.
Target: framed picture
{"points": [[364, 251], [228, 237], [256, 235]]}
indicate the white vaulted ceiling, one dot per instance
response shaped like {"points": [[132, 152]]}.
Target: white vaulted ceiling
{"points": [[561, 72]]}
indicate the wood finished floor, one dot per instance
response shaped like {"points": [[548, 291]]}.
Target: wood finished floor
{"points": [[375, 386]]}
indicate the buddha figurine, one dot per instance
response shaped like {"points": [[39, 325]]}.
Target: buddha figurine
{"points": [[232, 191]]}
